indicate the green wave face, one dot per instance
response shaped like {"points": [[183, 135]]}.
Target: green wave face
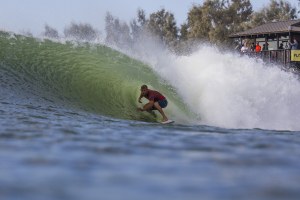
{"points": [[95, 78]]}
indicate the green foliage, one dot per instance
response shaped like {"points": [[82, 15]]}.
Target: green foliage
{"points": [[160, 24], [277, 10], [117, 32], [80, 32], [216, 19], [198, 23], [184, 32], [138, 25], [50, 32], [163, 24], [213, 21]]}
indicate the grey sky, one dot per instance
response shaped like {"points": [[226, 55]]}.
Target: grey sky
{"points": [[31, 15]]}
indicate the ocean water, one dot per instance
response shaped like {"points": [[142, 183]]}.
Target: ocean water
{"points": [[69, 127]]}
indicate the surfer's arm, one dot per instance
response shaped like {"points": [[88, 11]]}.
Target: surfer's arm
{"points": [[141, 96]]}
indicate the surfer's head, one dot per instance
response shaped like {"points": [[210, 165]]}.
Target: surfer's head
{"points": [[144, 89]]}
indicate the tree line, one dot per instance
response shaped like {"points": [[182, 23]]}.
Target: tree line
{"points": [[212, 21], [80, 32]]}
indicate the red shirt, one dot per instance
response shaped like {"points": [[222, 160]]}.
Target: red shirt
{"points": [[154, 96], [258, 48]]}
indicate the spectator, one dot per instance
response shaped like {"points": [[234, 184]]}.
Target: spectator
{"points": [[257, 47], [281, 46], [287, 45], [244, 49], [294, 45], [252, 47], [266, 46]]}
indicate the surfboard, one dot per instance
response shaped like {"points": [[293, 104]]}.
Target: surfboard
{"points": [[168, 122]]}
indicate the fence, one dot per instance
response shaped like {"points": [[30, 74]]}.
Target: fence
{"points": [[282, 57]]}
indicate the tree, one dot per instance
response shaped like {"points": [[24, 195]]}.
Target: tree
{"points": [[81, 32], [199, 24], [163, 25], [138, 25], [50, 32], [184, 44], [142, 20], [109, 28], [215, 20], [117, 32], [26, 33], [239, 14], [277, 10], [183, 32]]}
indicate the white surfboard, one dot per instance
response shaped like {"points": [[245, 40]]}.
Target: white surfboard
{"points": [[168, 122]]}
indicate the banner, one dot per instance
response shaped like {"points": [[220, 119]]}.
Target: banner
{"points": [[295, 55]]}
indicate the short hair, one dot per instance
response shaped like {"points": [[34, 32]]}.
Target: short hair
{"points": [[144, 87]]}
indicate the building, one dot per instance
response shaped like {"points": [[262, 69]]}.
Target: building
{"points": [[276, 36]]}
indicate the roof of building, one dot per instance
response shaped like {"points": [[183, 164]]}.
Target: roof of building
{"points": [[271, 28]]}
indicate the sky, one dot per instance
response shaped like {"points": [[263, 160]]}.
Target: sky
{"points": [[32, 15]]}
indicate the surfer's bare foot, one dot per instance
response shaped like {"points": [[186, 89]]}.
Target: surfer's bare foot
{"points": [[164, 120]]}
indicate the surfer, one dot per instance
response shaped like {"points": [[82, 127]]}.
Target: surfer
{"points": [[156, 102]]}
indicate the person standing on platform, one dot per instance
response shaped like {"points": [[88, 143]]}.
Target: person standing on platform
{"points": [[257, 47], [294, 45], [244, 49], [252, 47], [281, 46]]}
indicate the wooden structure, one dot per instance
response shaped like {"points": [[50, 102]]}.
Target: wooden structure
{"points": [[272, 35]]}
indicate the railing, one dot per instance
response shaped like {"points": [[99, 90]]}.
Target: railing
{"points": [[282, 57]]}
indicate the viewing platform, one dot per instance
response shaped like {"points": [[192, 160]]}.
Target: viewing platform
{"points": [[275, 39]]}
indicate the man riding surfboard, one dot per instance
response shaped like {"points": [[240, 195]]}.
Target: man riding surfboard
{"points": [[156, 102]]}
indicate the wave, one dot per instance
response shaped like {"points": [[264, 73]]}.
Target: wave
{"points": [[232, 91], [208, 87], [95, 78]]}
